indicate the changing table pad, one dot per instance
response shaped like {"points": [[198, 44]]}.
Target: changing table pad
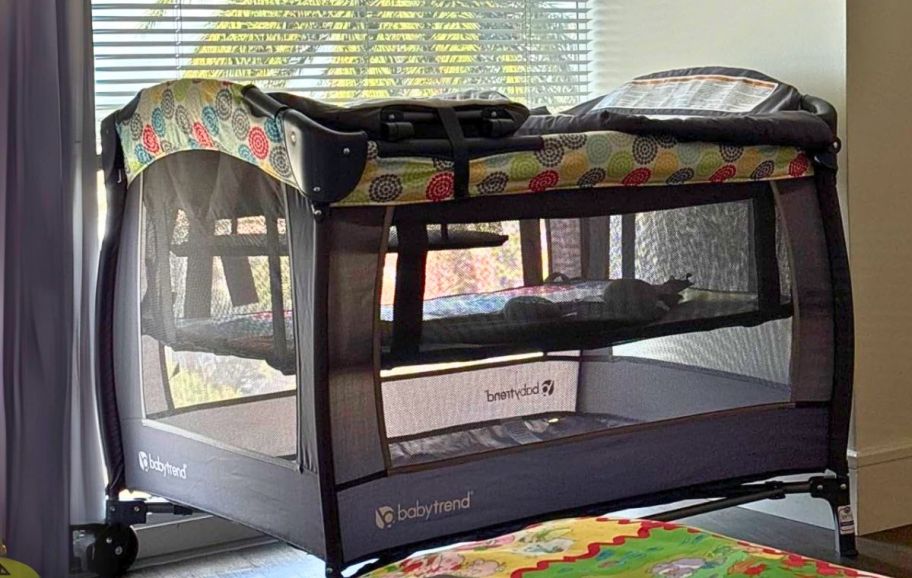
{"points": [[212, 115]]}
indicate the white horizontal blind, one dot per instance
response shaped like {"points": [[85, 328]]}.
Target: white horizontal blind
{"points": [[339, 50]]}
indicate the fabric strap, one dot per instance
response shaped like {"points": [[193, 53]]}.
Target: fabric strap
{"points": [[408, 302], [460, 152]]}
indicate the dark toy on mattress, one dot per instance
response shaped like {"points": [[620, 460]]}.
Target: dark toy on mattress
{"points": [[625, 301], [530, 308]]}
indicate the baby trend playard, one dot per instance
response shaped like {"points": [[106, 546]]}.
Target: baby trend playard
{"points": [[372, 328]]}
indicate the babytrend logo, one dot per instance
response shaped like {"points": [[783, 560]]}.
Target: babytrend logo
{"points": [[144, 461], [385, 517], [547, 387], [149, 464]]}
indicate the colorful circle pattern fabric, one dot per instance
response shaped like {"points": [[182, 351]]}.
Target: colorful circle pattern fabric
{"points": [[190, 114], [211, 115], [493, 183], [440, 187], [591, 178], [610, 547], [586, 160], [386, 188]]}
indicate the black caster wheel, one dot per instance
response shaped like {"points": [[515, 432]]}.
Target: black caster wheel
{"points": [[113, 552]]}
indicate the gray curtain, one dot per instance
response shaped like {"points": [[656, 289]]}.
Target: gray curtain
{"points": [[87, 481], [48, 245], [6, 43]]}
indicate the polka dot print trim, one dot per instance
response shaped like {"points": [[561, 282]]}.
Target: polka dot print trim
{"points": [[493, 183], [440, 187], [584, 160], [544, 181], [385, 188], [206, 115], [211, 115], [591, 178]]}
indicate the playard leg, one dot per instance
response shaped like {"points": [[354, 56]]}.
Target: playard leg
{"points": [[837, 492], [110, 549]]}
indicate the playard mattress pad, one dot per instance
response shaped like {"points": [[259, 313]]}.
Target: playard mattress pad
{"points": [[603, 547], [472, 318], [213, 115]]}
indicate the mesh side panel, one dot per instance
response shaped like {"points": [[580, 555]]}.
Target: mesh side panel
{"points": [[564, 245], [615, 260], [710, 243], [783, 258], [630, 277], [671, 242], [495, 264], [218, 342], [627, 319], [762, 352]]}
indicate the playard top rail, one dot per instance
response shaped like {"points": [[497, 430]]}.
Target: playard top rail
{"points": [[396, 152]]}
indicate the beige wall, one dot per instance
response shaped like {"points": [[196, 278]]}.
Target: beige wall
{"points": [[801, 42], [879, 96], [858, 55]]}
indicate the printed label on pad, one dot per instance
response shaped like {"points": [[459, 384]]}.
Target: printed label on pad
{"points": [[706, 92], [433, 402], [846, 520]]}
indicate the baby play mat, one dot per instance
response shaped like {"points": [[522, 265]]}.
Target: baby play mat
{"points": [[14, 569], [590, 547]]}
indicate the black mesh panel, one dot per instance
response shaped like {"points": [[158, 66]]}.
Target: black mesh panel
{"points": [[619, 320], [217, 338], [607, 281]]}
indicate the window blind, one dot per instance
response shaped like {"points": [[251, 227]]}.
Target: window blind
{"points": [[342, 50]]}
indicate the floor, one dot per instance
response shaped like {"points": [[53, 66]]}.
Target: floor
{"points": [[888, 553]]}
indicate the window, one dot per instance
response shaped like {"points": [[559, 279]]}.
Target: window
{"points": [[340, 50], [334, 50], [536, 51]]}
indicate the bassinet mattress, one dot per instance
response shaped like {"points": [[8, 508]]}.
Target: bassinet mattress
{"points": [[248, 335], [604, 546], [472, 318], [211, 115], [477, 319], [475, 304]]}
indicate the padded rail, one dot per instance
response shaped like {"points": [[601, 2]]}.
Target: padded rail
{"points": [[326, 164]]}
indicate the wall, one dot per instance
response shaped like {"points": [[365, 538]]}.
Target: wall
{"points": [[798, 42], [879, 85], [802, 43]]}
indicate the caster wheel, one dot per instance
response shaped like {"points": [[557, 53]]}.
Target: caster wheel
{"points": [[113, 552]]}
